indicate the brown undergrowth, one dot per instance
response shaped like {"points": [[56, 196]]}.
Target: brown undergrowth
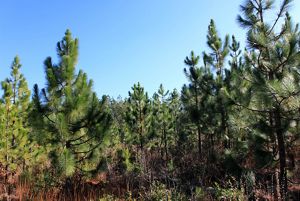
{"points": [[187, 178]]}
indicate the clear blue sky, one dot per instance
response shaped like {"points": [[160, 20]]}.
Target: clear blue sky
{"points": [[121, 41]]}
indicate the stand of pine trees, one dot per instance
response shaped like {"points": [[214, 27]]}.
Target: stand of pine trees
{"points": [[232, 133]]}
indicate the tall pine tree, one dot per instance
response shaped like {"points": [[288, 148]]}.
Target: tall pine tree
{"points": [[138, 113], [68, 114], [271, 74], [15, 153]]}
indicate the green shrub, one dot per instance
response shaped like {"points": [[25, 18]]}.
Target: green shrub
{"points": [[108, 198], [159, 192], [231, 193]]}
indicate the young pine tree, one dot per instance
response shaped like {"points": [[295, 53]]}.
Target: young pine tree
{"points": [[15, 153], [68, 115], [272, 76], [162, 119], [138, 115], [197, 98], [216, 59]]}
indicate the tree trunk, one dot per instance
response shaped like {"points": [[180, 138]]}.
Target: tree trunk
{"points": [[198, 122], [199, 139], [282, 155], [224, 125], [141, 129], [275, 182], [165, 142]]}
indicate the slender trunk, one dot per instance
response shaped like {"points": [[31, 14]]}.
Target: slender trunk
{"points": [[272, 142], [276, 182], [224, 125], [282, 177], [165, 142], [7, 143], [198, 122], [212, 144], [161, 145], [282, 155], [199, 139], [141, 140], [7, 148], [277, 195], [222, 111], [141, 129]]}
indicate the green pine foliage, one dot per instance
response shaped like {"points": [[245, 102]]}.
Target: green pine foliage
{"points": [[271, 71], [16, 152], [198, 98], [138, 115], [232, 132], [162, 119], [68, 115]]}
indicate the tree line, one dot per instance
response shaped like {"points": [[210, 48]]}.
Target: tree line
{"points": [[232, 132]]}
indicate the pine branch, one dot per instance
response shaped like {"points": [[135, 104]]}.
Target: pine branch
{"points": [[279, 15], [80, 143], [251, 109]]}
